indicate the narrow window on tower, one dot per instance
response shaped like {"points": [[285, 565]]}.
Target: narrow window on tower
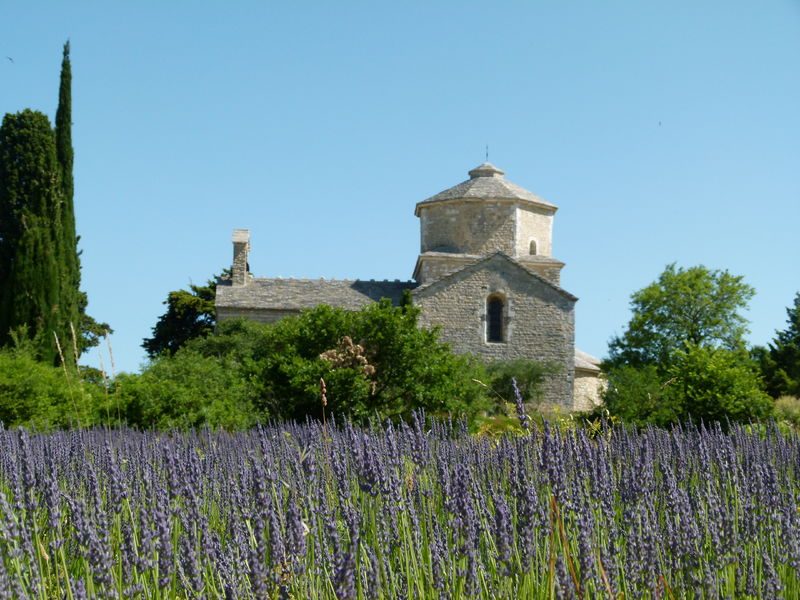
{"points": [[532, 249], [495, 327]]}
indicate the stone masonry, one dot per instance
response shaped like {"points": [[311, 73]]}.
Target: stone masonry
{"points": [[538, 317]]}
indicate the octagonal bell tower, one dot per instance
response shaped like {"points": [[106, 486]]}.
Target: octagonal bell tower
{"points": [[484, 215]]}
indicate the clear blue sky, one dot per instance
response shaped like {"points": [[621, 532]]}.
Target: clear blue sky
{"points": [[664, 132]]}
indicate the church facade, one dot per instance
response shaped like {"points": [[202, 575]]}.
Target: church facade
{"points": [[485, 275]]}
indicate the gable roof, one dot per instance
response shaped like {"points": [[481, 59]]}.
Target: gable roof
{"points": [[486, 182], [299, 294], [479, 263]]}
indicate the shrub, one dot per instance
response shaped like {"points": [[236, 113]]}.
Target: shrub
{"points": [[717, 385], [409, 368], [39, 396], [187, 390], [529, 375], [638, 396], [700, 384]]}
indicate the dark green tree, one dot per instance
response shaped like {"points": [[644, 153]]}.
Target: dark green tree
{"points": [[780, 361], [68, 246], [30, 218], [73, 301], [39, 260], [190, 314]]}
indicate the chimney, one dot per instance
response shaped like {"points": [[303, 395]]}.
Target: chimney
{"points": [[241, 246]]}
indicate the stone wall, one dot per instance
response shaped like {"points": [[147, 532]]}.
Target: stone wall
{"points": [[468, 227], [588, 390], [534, 224], [548, 268], [260, 315], [435, 265], [539, 320]]}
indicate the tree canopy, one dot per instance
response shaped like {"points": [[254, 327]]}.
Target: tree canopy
{"points": [[376, 362], [190, 314], [698, 306], [683, 353]]}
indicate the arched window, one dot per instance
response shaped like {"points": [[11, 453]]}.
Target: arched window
{"points": [[532, 250], [495, 326]]}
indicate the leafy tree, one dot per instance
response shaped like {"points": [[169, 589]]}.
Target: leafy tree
{"points": [[638, 395], [683, 354], [780, 361], [190, 314], [697, 305], [30, 209]]}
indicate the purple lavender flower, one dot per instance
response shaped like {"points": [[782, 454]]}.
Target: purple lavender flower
{"points": [[524, 419], [503, 532]]}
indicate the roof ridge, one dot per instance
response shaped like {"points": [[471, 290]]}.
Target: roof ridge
{"points": [[331, 279]]}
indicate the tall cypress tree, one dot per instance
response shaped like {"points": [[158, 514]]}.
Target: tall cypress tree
{"points": [[72, 301], [39, 259], [30, 232]]}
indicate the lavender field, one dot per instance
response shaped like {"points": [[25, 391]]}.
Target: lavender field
{"points": [[419, 511]]}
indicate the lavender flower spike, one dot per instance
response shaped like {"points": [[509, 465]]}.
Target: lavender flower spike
{"points": [[524, 419]]}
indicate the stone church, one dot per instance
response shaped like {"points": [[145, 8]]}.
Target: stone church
{"points": [[485, 275]]}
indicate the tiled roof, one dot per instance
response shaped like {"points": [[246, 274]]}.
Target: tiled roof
{"points": [[486, 181], [299, 294]]}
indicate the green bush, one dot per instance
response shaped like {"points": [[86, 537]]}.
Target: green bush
{"points": [[638, 395], [186, 390], [376, 363], [700, 384], [39, 396], [717, 385], [528, 374]]}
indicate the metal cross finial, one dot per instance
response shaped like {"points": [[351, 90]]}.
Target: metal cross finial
{"points": [[487, 152]]}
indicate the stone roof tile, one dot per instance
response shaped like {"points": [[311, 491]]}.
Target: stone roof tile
{"points": [[487, 182], [299, 294]]}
